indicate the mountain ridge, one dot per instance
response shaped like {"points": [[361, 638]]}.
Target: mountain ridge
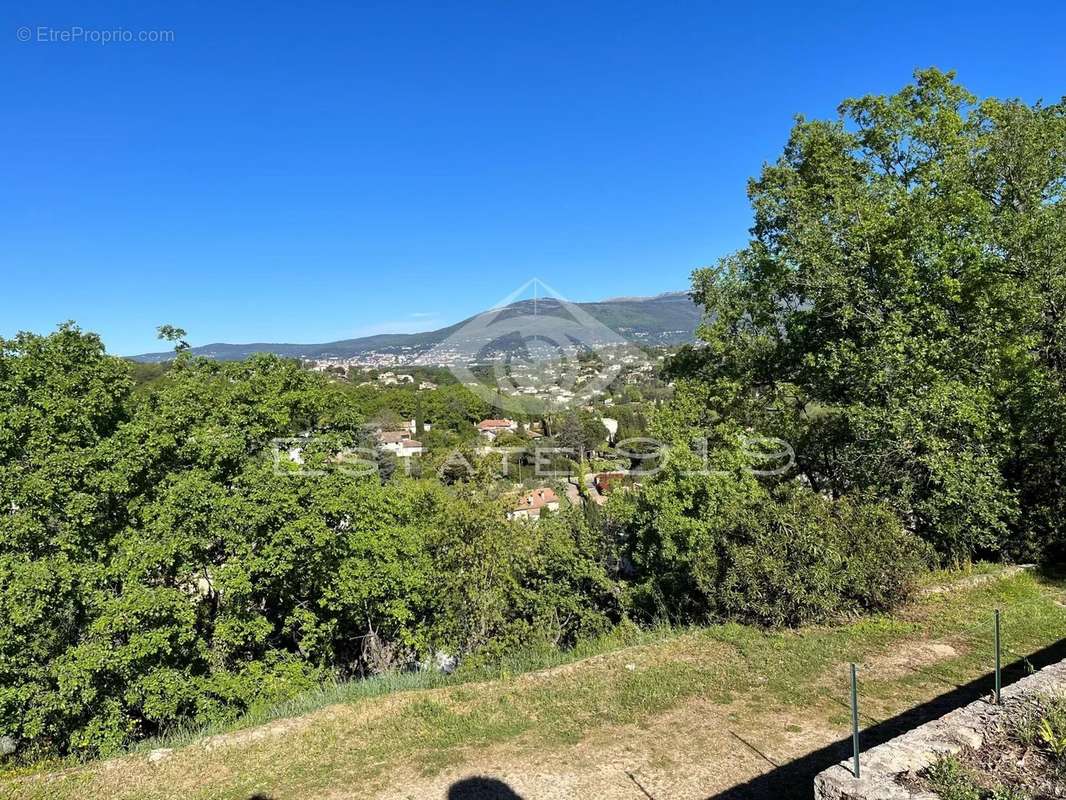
{"points": [[664, 319]]}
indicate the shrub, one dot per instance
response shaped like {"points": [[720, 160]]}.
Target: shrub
{"points": [[801, 558], [952, 780], [721, 545], [516, 586]]}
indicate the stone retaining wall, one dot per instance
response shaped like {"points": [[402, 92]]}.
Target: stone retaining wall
{"points": [[921, 747]]}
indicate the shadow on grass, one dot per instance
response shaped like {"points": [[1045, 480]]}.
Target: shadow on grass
{"points": [[795, 780], [481, 789]]}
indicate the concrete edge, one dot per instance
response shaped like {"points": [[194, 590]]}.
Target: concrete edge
{"points": [[919, 748]]}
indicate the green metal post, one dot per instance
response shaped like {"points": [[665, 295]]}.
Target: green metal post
{"points": [[998, 680], [855, 716]]}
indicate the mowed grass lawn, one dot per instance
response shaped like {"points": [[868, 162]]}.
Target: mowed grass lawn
{"points": [[745, 677]]}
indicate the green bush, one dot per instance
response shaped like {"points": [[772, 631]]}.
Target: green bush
{"points": [[801, 558], [719, 544], [952, 780], [517, 586]]}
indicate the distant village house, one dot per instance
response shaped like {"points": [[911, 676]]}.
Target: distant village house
{"points": [[491, 428], [400, 443], [531, 505]]}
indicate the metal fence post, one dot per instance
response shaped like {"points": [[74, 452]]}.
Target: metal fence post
{"points": [[855, 717], [998, 678]]}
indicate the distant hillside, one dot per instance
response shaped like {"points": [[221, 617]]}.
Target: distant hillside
{"points": [[665, 319]]}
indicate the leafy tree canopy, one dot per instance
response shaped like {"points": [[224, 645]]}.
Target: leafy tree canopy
{"points": [[898, 313]]}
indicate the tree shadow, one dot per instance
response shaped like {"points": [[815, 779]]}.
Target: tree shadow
{"points": [[480, 788], [795, 780]]}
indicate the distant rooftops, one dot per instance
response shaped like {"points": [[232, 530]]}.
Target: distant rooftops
{"points": [[495, 424], [537, 499]]}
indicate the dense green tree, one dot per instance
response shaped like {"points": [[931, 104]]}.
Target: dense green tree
{"points": [[164, 557], [897, 314], [170, 333], [706, 538], [579, 432], [420, 417], [521, 584], [61, 398]]}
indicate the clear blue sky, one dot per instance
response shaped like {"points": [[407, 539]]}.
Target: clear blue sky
{"points": [[308, 172]]}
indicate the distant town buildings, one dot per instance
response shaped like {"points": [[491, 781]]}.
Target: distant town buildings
{"points": [[568, 380]]}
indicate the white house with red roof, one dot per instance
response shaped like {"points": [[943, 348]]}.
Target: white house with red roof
{"points": [[531, 505], [491, 428]]}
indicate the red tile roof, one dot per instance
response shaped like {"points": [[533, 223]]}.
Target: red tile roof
{"points": [[537, 499], [489, 424]]}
